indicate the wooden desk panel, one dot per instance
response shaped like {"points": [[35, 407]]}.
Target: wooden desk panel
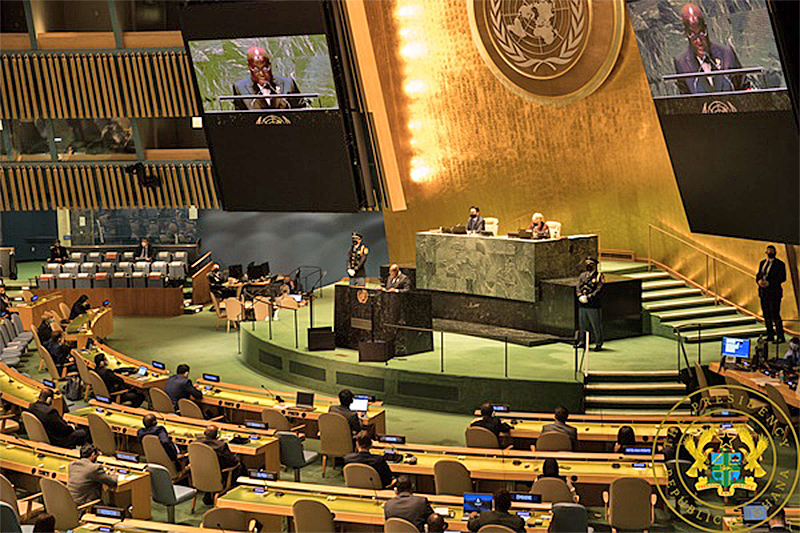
{"points": [[22, 390], [154, 378], [757, 380], [31, 312], [156, 301]]}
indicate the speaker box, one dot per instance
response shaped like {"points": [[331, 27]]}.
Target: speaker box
{"points": [[375, 351], [321, 339]]}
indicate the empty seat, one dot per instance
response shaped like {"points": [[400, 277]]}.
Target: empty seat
{"points": [[155, 280], [183, 257], [125, 267], [102, 280], [19, 329], [52, 268], [83, 281], [106, 266], [164, 256], [71, 268], [141, 266], [159, 266], [176, 270], [65, 281], [139, 280], [47, 281], [112, 257], [128, 256], [119, 280], [94, 257], [88, 267], [76, 257]]}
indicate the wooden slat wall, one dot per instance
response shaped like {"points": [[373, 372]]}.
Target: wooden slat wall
{"points": [[43, 187], [89, 85]]}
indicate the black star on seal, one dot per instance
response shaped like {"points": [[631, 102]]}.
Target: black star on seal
{"points": [[726, 440]]}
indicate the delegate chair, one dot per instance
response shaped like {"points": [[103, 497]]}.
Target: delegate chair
{"points": [[155, 453], [233, 312], [102, 435], [9, 521], [83, 372], [8, 424], [225, 519], [312, 516], [206, 472], [399, 525], [775, 395], [19, 329], [451, 477], [219, 310], [59, 503], [702, 383], [261, 310], [478, 437], [360, 476], [77, 257], [292, 453], [23, 508], [335, 439], [164, 491], [189, 409], [569, 518], [741, 399], [99, 388], [555, 229], [492, 224], [27, 296], [94, 257], [553, 442], [164, 256], [495, 528], [64, 309], [160, 401], [553, 490], [34, 428], [629, 504], [275, 420]]}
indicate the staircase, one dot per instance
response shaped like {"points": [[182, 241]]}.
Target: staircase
{"points": [[640, 393]]}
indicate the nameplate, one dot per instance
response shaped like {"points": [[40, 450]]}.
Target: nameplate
{"points": [[361, 323]]}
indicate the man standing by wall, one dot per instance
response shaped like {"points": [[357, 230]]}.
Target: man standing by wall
{"points": [[771, 274]]}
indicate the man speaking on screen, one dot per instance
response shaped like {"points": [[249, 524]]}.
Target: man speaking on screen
{"points": [[263, 82]]}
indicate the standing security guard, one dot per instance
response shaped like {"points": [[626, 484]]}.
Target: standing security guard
{"points": [[590, 283], [357, 261]]}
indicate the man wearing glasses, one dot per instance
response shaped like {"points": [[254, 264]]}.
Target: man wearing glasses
{"points": [[704, 56], [263, 82]]}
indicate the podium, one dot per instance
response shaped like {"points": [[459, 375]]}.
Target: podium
{"points": [[363, 314]]}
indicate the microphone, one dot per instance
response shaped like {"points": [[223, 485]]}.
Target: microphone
{"points": [[275, 397], [374, 490], [219, 526]]}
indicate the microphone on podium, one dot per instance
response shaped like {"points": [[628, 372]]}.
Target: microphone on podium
{"points": [[274, 396]]}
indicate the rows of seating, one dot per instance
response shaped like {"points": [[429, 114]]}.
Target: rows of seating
{"points": [[14, 340], [128, 256], [124, 274]]}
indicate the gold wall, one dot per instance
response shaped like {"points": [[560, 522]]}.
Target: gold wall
{"points": [[598, 166]]}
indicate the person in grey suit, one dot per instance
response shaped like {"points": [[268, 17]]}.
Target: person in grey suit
{"points": [[87, 476], [263, 82], [406, 505], [560, 425], [396, 281]]}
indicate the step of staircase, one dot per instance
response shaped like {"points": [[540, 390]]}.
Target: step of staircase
{"points": [[664, 401], [623, 267], [669, 294], [615, 376], [635, 388], [716, 334], [694, 312], [712, 322], [633, 413], [649, 276], [678, 303], [658, 284]]}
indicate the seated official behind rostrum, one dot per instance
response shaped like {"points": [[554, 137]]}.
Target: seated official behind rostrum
{"points": [[396, 281], [491, 422]]}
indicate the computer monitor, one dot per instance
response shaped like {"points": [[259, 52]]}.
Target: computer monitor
{"points": [[304, 399], [252, 270], [477, 502], [236, 271], [263, 269], [525, 497], [360, 405], [734, 347], [754, 514]]}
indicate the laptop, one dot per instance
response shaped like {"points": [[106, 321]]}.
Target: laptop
{"points": [[304, 401], [360, 404], [476, 502]]}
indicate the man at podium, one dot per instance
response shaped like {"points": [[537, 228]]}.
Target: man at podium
{"points": [[396, 281]]}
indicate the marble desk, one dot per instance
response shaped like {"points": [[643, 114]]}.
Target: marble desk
{"points": [[499, 267]]}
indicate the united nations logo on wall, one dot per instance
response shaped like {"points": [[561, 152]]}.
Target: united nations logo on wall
{"points": [[550, 51]]}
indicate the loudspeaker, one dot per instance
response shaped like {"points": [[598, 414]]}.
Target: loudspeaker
{"points": [[375, 351], [321, 339]]}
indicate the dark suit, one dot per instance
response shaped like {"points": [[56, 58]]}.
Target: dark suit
{"points": [[721, 58], [59, 352], [771, 295], [352, 417], [227, 458], [280, 85], [163, 436], [144, 253], [58, 431], [375, 461], [86, 480], [401, 282], [590, 284], [78, 309], [476, 224], [114, 383], [496, 518], [58, 254], [415, 509], [561, 427], [493, 424], [44, 331], [178, 386]]}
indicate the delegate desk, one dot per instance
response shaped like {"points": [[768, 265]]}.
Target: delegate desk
{"points": [[594, 472], [31, 312], [22, 391], [757, 381], [91, 523], [97, 323], [27, 460], [239, 403], [360, 509], [129, 301], [260, 452], [154, 378]]}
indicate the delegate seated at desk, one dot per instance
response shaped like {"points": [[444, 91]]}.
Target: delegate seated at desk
{"points": [[87, 476], [407, 505], [396, 281], [345, 401], [58, 254], [499, 516], [560, 425], [227, 459], [152, 428], [58, 430], [363, 456], [475, 222], [538, 227], [491, 422], [216, 283], [80, 307], [179, 386]]}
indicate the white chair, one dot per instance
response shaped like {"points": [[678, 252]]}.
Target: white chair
{"points": [[492, 224], [555, 229], [234, 312]]}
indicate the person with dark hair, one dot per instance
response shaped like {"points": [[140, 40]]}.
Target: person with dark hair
{"points": [[475, 222], [792, 357], [672, 448], [499, 516], [550, 469], [357, 261], [58, 254], [770, 276], [114, 383], [144, 252], [45, 523], [45, 330], [406, 505], [263, 82], [491, 422], [227, 458], [87, 476], [590, 312], [58, 430], [436, 523], [625, 437], [5, 301], [180, 386], [362, 455], [58, 349], [80, 307], [560, 425], [345, 400], [151, 427]]}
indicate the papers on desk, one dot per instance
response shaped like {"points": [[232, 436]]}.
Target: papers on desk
{"points": [[766, 380]]}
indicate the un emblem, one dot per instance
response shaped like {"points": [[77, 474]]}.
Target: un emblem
{"points": [[550, 51]]}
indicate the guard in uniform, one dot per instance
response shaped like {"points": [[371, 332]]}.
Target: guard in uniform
{"points": [[590, 285], [357, 261]]}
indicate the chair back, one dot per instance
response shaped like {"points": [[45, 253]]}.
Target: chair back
{"points": [[102, 435], [553, 490], [312, 516], [629, 504], [233, 308], [451, 477], [8, 495], [275, 420], [478, 437], [495, 528], [740, 396], [291, 449], [27, 296], [569, 518], [44, 354], [554, 442], [217, 309], [163, 490], [155, 454], [775, 395], [16, 321], [359, 476], [204, 465], [59, 503], [97, 384], [399, 525], [555, 229], [64, 310], [335, 439], [190, 409], [34, 428], [160, 401], [700, 375], [226, 519], [491, 224], [9, 520], [83, 370], [261, 309]]}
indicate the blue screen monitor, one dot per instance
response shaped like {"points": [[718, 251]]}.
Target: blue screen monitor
{"points": [[211, 377], [753, 514], [733, 347], [476, 502]]}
